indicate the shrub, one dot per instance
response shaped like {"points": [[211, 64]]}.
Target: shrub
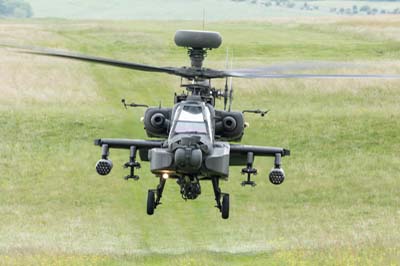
{"points": [[365, 9]]}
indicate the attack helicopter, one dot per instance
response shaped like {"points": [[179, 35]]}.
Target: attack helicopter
{"points": [[192, 139]]}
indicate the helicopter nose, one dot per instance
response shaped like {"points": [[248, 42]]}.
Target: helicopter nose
{"points": [[188, 159]]}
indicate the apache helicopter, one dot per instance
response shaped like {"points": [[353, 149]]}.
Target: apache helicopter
{"points": [[193, 138]]}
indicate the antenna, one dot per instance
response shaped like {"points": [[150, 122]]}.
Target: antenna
{"points": [[226, 79], [231, 87]]}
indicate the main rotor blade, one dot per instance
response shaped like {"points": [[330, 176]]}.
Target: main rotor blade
{"points": [[272, 71], [93, 59], [305, 65], [318, 76], [278, 70]]}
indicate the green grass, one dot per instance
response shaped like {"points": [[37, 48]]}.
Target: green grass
{"points": [[343, 256], [338, 206]]}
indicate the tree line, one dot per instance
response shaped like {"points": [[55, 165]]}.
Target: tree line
{"points": [[15, 9]]}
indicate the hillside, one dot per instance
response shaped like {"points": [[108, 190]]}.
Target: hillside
{"points": [[338, 205], [214, 9]]}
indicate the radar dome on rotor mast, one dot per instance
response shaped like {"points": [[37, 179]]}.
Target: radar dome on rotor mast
{"points": [[197, 42], [198, 39]]}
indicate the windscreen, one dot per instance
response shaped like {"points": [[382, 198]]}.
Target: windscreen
{"points": [[191, 120], [190, 127]]}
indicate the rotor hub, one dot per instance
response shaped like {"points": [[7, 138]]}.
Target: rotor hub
{"points": [[197, 56]]}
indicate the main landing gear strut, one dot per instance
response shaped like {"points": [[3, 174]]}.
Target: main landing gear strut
{"points": [[222, 199], [223, 205], [154, 196]]}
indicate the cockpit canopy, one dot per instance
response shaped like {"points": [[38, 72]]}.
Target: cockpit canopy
{"points": [[192, 118], [196, 118]]}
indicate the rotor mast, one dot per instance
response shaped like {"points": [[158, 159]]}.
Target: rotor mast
{"points": [[197, 56], [199, 87], [197, 43]]}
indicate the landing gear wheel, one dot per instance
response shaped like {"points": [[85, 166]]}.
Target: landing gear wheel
{"points": [[151, 202], [225, 206]]}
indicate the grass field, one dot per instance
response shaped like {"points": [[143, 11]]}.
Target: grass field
{"points": [[338, 206]]}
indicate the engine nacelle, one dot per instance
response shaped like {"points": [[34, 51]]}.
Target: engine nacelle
{"points": [[157, 121], [229, 125]]}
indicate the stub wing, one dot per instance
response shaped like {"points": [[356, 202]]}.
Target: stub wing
{"points": [[143, 146], [239, 153]]}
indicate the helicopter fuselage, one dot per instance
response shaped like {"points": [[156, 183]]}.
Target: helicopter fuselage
{"points": [[191, 148], [193, 144], [193, 138]]}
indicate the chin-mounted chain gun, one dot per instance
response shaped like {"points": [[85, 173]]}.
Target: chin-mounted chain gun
{"points": [[258, 111], [132, 104]]}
